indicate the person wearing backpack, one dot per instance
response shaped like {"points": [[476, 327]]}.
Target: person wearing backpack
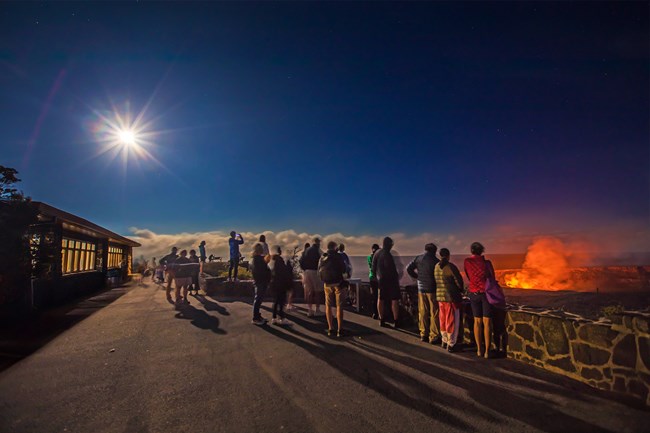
{"points": [[281, 280], [331, 268], [312, 285]]}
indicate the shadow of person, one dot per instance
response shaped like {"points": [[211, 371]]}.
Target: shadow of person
{"points": [[211, 306], [384, 379], [491, 394], [423, 357], [318, 324], [491, 388], [232, 299], [200, 319]]}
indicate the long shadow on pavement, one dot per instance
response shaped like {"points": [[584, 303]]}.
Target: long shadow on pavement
{"points": [[434, 401], [211, 306], [319, 327], [231, 299], [22, 334], [200, 319], [375, 375]]}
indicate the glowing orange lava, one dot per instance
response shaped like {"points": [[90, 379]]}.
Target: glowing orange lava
{"points": [[546, 267]]}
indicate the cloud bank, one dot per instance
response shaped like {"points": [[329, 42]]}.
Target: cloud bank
{"points": [[159, 244], [617, 238]]}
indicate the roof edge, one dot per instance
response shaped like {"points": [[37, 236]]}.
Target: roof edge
{"points": [[74, 219]]}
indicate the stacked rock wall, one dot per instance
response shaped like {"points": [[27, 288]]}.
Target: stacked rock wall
{"points": [[612, 355]]}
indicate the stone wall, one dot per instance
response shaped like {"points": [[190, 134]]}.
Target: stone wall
{"points": [[217, 286], [608, 354]]}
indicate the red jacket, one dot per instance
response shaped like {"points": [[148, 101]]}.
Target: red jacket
{"points": [[476, 271]]}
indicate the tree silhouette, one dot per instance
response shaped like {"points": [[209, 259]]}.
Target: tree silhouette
{"points": [[18, 258]]}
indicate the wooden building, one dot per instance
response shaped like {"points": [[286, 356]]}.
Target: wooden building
{"points": [[76, 256]]}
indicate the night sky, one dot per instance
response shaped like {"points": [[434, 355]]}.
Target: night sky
{"points": [[472, 121]]}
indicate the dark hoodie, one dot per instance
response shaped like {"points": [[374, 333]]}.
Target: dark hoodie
{"points": [[261, 272], [281, 275], [449, 282]]}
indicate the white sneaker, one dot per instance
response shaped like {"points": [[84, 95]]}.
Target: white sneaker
{"points": [[318, 312], [285, 322], [275, 322]]}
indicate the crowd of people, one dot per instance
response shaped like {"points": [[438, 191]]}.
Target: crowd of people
{"points": [[440, 285]]}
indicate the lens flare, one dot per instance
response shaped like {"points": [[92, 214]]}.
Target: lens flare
{"points": [[123, 136], [127, 137]]}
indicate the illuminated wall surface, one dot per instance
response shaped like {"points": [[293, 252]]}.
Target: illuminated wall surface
{"points": [[83, 255], [613, 355]]}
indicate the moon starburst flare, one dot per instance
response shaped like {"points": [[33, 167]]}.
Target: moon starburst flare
{"points": [[120, 135]]}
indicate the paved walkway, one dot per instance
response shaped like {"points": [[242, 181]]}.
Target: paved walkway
{"points": [[139, 366]]}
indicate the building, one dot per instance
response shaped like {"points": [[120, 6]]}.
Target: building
{"points": [[75, 256]]}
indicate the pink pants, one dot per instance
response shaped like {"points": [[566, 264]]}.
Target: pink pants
{"points": [[449, 322]]}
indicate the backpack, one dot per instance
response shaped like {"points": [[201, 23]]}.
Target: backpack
{"points": [[282, 272], [331, 268]]}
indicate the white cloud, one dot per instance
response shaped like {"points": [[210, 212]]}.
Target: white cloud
{"points": [[612, 239], [159, 244]]}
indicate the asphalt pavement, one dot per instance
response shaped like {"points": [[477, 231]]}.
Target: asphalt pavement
{"points": [[137, 365]]}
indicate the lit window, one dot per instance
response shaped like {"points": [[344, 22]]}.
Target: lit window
{"points": [[77, 256], [115, 257]]}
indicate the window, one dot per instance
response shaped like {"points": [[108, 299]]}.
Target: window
{"points": [[114, 257], [77, 256]]}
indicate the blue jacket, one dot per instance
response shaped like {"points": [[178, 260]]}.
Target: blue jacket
{"points": [[234, 247]]}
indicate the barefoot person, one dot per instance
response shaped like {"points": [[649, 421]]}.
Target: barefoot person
{"points": [[421, 269], [476, 270], [449, 294], [311, 282], [383, 265], [234, 242], [261, 277], [331, 268]]}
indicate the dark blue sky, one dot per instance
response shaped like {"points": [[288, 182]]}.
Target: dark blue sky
{"points": [[362, 118]]}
